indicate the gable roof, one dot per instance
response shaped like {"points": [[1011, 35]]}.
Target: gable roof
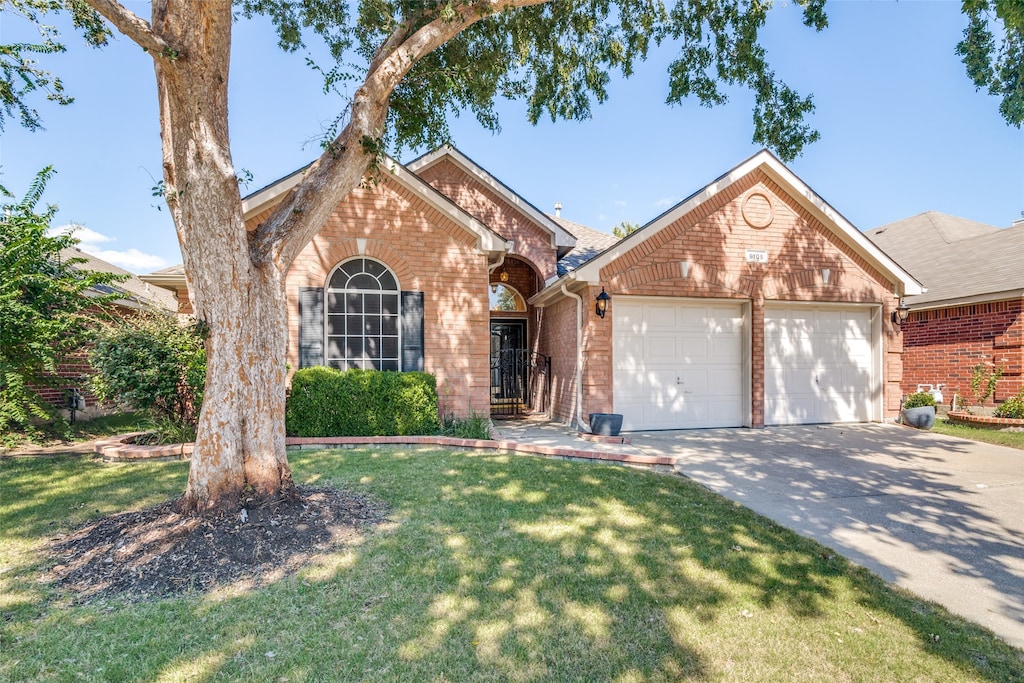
{"points": [[958, 260], [561, 239], [487, 240], [134, 291], [589, 243], [766, 162]]}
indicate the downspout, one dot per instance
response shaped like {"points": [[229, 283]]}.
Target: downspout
{"points": [[580, 425], [509, 246]]}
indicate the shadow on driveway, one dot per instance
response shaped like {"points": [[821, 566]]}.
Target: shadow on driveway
{"points": [[940, 516]]}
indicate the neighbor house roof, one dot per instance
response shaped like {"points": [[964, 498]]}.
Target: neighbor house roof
{"points": [[957, 260], [589, 243], [133, 291], [561, 239], [766, 162]]}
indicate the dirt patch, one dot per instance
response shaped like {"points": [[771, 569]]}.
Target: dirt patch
{"points": [[157, 552]]}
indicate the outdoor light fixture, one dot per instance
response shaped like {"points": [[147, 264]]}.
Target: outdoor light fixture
{"points": [[602, 303], [899, 316]]}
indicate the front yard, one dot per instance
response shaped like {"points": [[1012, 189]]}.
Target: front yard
{"points": [[488, 567]]}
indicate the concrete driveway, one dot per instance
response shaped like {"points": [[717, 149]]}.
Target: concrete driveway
{"points": [[939, 516]]}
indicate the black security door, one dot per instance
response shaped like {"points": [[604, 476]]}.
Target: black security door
{"points": [[509, 366]]}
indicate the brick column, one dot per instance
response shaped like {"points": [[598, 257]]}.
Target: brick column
{"points": [[757, 361]]}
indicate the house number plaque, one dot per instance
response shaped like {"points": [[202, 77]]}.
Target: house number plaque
{"points": [[757, 256]]}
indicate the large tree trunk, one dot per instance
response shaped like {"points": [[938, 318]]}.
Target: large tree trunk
{"points": [[240, 449], [236, 278]]}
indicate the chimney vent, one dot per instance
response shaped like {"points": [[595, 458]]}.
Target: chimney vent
{"points": [[558, 209]]}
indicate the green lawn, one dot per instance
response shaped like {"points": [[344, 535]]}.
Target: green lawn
{"points": [[1012, 439], [82, 430], [490, 567]]}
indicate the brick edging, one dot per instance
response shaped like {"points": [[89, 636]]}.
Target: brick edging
{"points": [[986, 420], [116, 450]]}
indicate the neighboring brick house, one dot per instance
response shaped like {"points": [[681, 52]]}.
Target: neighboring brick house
{"points": [[752, 302], [971, 311], [133, 295]]}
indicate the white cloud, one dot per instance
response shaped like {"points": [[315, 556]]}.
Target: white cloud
{"points": [[82, 233], [620, 202], [129, 259], [665, 201]]}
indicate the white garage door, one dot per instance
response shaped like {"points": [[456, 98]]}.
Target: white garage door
{"points": [[817, 365], [678, 365]]}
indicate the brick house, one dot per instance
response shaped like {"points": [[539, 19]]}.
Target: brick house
{"points": [[752, 302], [971, 311]]}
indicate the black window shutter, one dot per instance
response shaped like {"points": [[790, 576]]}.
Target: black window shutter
{"points": [[311, 326], [412, 331]]}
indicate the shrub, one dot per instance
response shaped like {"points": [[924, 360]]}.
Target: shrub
{"points": [[918, 399], [1012, 407], [154, 364], [328, 402], [475, 426]]}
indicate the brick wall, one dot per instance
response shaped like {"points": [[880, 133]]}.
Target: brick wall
{"points": [[557, 338], [531, 241], [427, 252], [942, 346], [714, 238], [73, 373]]}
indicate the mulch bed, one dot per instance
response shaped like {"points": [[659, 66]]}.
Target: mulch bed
{"points": [[157, 552]]}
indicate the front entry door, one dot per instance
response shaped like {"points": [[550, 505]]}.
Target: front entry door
{"points": [[509, 366]]}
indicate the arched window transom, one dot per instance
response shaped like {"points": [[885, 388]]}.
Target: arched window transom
{"points": [[363, 316], [506, 299]]}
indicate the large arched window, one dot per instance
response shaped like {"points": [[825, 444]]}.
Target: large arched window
{"points": [[363, 317]]}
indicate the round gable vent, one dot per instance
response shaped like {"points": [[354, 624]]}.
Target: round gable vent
{"points": [[757, 210]]}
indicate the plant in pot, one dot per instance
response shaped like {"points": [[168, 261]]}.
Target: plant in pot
{"points": [[919, 410]]}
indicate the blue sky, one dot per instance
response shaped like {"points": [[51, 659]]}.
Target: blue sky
{"points": [[903, 131]]}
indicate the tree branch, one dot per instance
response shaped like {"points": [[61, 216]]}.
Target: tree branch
{"points": [[341, 167], [135, 28]]}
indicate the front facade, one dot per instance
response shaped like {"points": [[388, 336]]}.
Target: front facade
{"points": [[751, 303]]}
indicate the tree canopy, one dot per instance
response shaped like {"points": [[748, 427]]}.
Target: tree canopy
{"points": [[47, 305]]}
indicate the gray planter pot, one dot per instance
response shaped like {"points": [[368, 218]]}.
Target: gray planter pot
{"points": [[605, 424], [921, 418]]}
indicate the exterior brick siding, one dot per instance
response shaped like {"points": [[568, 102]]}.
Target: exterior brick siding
{"points": [[714, 238], [942, 346], [427, 252], [532, 242]]}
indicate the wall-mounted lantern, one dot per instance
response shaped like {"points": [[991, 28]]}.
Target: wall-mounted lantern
{"points": [[900, 315], [602, 303]]}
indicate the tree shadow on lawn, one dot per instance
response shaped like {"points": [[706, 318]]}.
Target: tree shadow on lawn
{"points": [[496, 567]]}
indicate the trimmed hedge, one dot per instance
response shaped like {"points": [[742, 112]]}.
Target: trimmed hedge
{"points": [[329, 402]]}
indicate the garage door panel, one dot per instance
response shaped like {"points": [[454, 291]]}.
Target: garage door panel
{"points": [[818, 364], [678, 364]]}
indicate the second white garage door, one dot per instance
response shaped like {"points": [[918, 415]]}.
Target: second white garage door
{"points": [[818, 365], [678, 364]]}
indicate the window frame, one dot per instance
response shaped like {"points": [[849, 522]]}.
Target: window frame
{"points": [[382, 362]]}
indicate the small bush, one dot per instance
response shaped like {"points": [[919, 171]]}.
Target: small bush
{"points": [[154, 364], [475, 426], [329, 402], [1012, 407], [918, 399]]}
